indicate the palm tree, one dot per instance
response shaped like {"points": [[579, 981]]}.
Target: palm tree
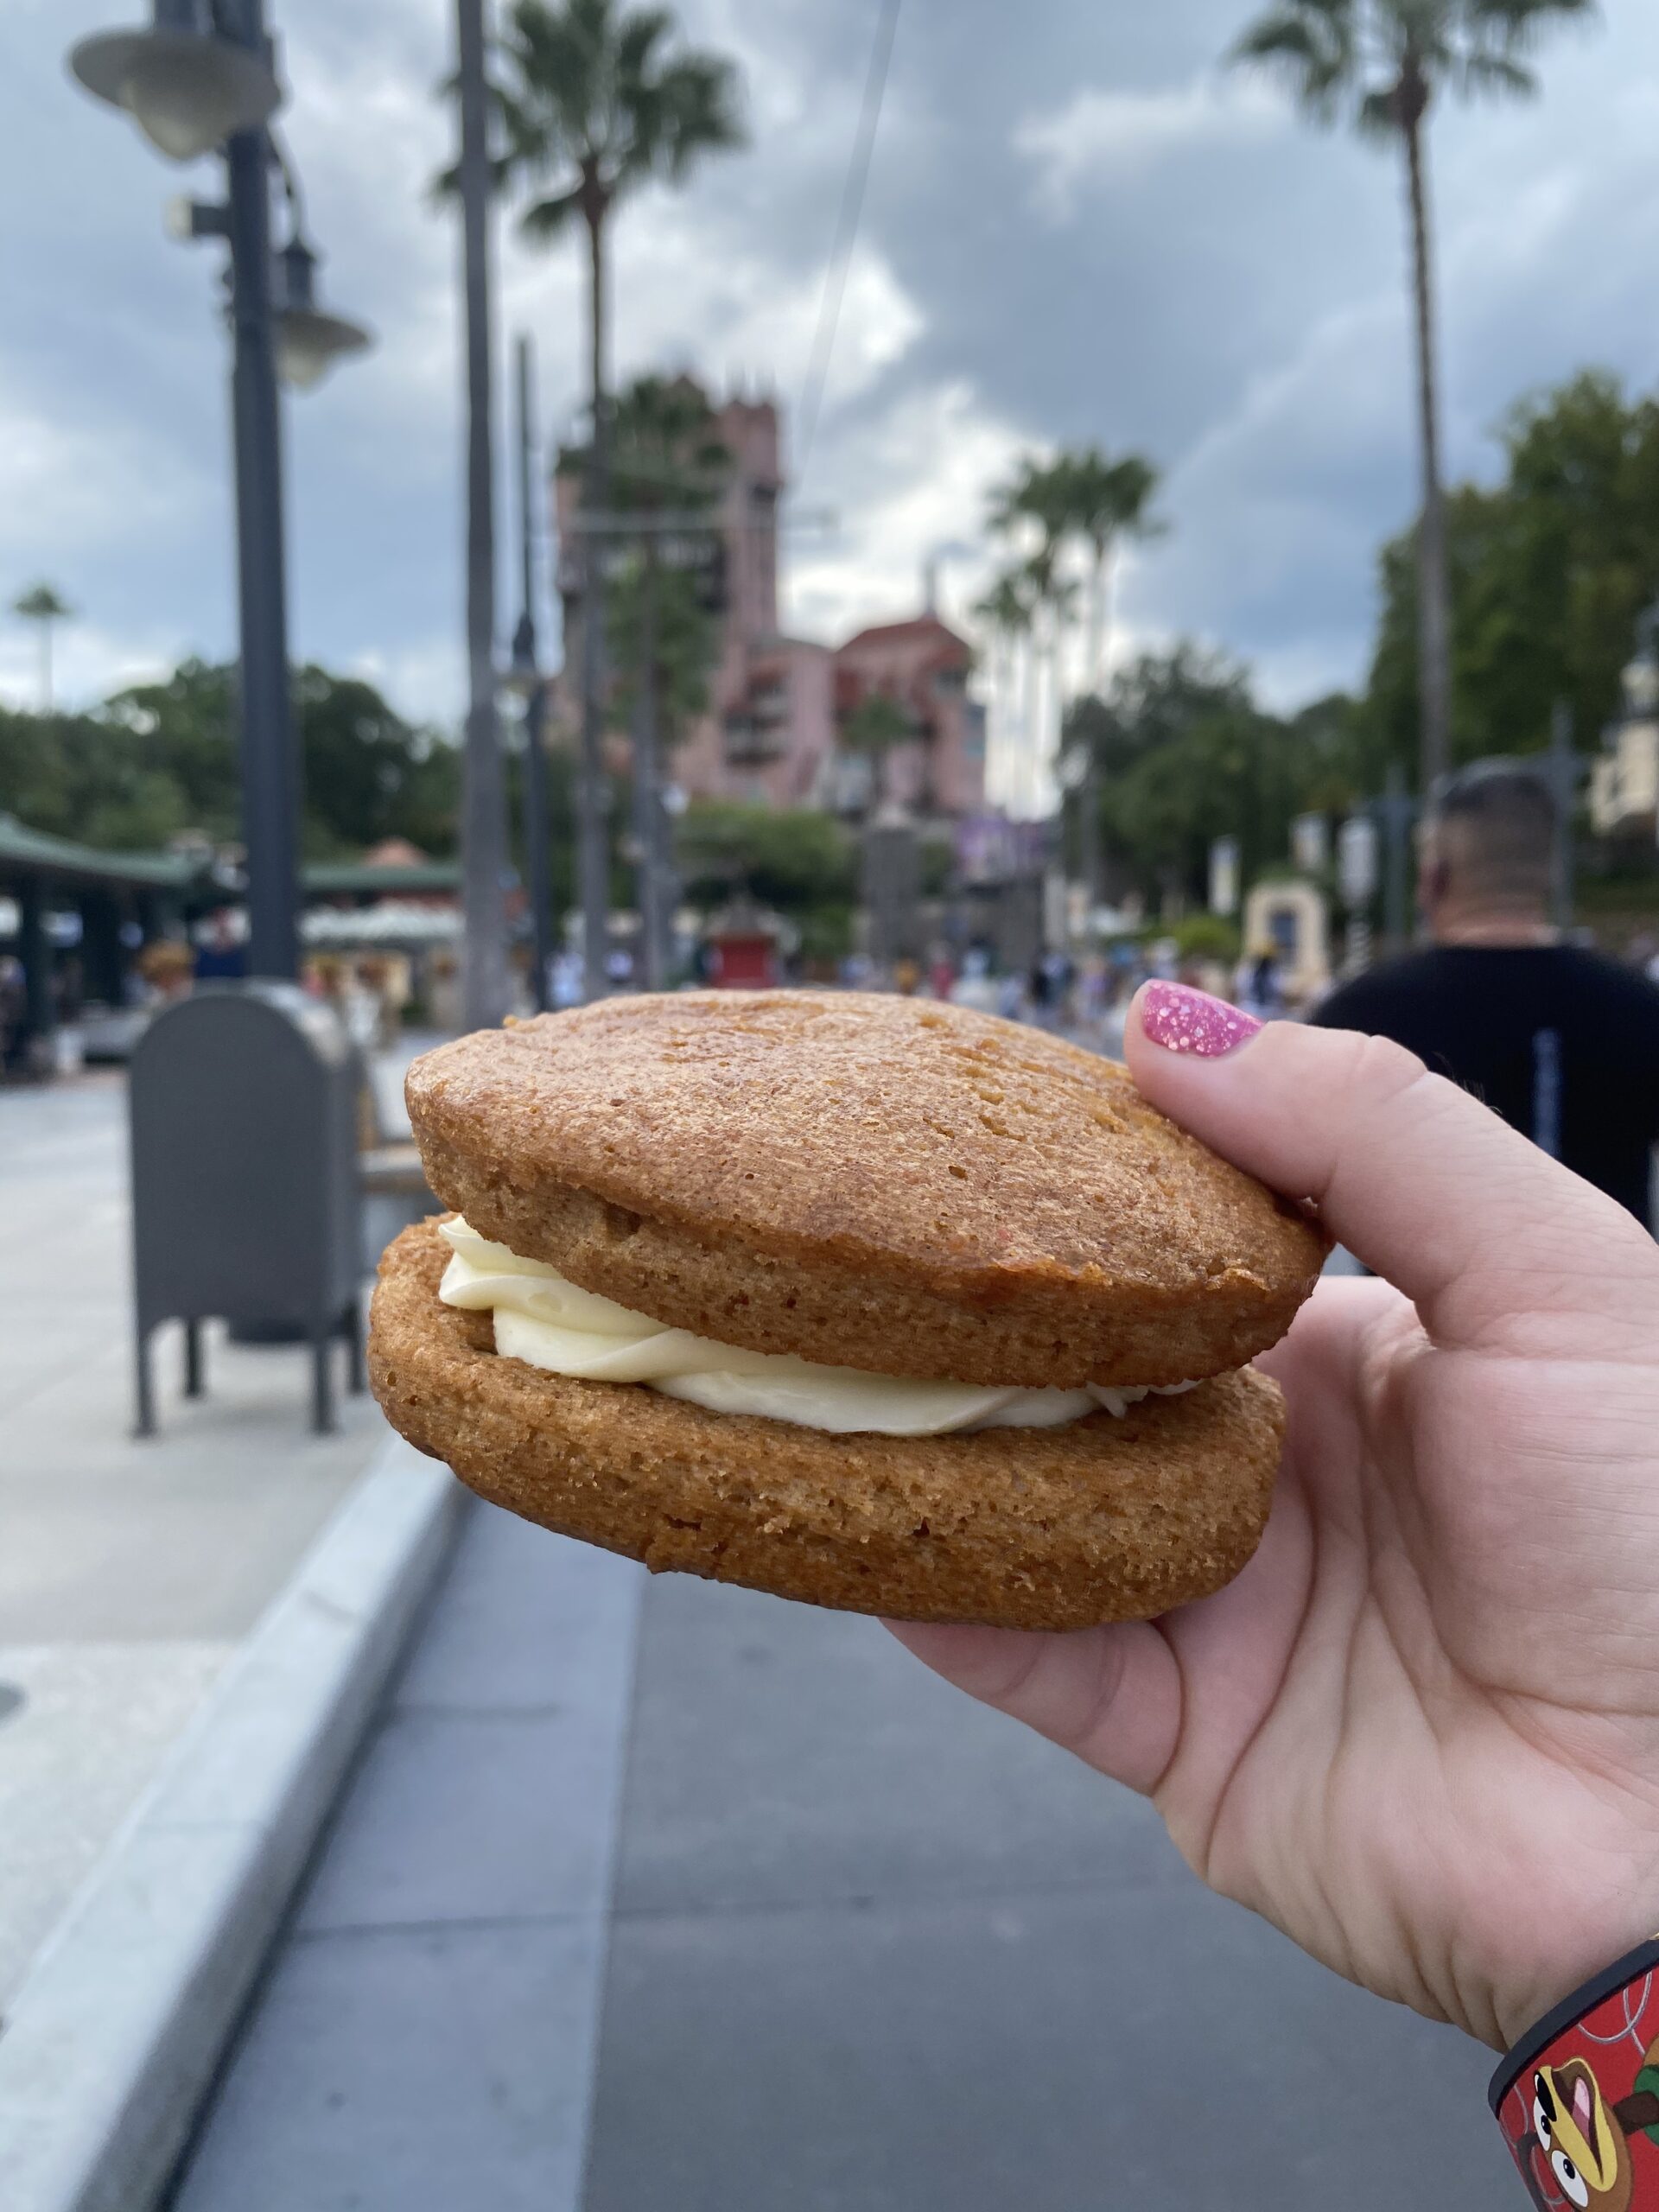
{"points": [[1384, 61], [594, 101], [1105, 501], [1006, 611], [40, 604], [1036, 500], [1038, 497], [667, 461], [878, 725]]}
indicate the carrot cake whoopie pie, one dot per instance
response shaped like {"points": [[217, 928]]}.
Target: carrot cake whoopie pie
{"points": [[863, 1300]]}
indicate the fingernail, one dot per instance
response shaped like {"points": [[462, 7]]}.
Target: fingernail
{"points": [[1182, 1019]]}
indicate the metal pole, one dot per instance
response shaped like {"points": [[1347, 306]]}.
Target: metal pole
{"points": [[537, 868], [1564, 781], [270, 756], [485, 989], [39, 1003], [593, 789], [538, 873], [647, 801]]}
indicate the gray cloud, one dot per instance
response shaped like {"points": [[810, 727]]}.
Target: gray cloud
{"points": [[1077, 227]]}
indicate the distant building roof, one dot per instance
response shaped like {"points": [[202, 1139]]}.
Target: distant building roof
{"points": [[384, 872], [358, 879], [34, 852], [918, 627]]}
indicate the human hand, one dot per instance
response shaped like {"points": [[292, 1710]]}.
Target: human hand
{"points": [[1420, 1732]]}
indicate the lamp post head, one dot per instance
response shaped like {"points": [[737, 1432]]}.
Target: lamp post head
{"points": [[309, 341], [187, 88]]}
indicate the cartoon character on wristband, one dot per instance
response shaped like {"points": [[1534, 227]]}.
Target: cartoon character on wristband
{"points": [[1576, 2117]]}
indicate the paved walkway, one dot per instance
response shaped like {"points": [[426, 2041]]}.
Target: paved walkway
{"points": [[128, 1571], [855, 1945]]}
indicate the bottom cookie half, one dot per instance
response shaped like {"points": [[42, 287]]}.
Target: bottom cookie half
{"points": [[1104, 1519]]}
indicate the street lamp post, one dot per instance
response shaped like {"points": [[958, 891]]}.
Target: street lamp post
{"points": [[526, 679], [203, 76]]}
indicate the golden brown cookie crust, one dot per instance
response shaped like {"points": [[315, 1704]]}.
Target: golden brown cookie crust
{"points": [[1052, 1528], [872, 1182]]}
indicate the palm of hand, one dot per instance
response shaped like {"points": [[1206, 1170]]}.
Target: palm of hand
{"points": [[1420, 1732], [1437, 1641]]}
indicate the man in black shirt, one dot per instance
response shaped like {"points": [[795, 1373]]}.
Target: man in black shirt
{"points": [[1563, 1043]]}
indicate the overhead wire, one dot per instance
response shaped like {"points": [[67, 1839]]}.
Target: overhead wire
{"points": [[846, 236]]}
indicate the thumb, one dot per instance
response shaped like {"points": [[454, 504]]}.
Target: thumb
{"points": [[1483, 1232]]}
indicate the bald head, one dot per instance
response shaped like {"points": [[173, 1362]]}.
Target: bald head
{"points": [[1488, 853]]}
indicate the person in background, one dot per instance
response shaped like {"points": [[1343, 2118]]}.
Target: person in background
{"points": [[1562, 1042], [1260, 992]]}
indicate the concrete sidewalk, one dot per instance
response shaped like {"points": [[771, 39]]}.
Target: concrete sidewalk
{"points": [[862, 1946], [128, 1572]]}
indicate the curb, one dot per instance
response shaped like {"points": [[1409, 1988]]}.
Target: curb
{"points": [[114, 2038]]}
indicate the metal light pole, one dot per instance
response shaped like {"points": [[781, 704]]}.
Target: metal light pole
{"points": [[593, 787], [647, 781], [201, 75], [271, 760], [485, 988], [527, 677]]}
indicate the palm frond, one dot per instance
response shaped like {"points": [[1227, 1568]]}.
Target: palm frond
{"points": [[1496, 76], [544, 220], [1377, 115], [1311, 46], [1518, 24]]}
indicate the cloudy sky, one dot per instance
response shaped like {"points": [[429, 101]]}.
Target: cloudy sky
{"points": [[1077, 228]]}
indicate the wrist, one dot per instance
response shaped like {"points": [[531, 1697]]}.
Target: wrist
{"points": [[1577, 2096]]}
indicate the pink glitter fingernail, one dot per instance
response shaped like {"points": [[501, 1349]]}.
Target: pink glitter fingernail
{"points": [[1182, 1019]]}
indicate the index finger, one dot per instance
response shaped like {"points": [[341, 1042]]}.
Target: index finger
{"points": [[1495, 1244]]}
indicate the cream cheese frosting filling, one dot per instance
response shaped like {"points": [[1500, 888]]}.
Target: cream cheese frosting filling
{"points": [[547, 1322]]}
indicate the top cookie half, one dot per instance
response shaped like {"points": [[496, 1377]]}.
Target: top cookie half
{"points": [[873, 1182]]}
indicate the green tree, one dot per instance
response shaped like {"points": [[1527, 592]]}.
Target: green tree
{"points": [[43, 606], [1384, 61], [1183, 754], [669, 468], [796, 861], [877, 726], [594, 101], [158, 761], [1551, 565]]}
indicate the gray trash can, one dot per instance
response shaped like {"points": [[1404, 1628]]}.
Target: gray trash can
{"points": [[245, 1205]]}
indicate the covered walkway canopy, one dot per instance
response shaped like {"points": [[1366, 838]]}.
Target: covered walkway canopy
{"points": [[112, 892], [108, 890]]}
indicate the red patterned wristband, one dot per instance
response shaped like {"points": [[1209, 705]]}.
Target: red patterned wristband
{"points": [[1578, 2098]]}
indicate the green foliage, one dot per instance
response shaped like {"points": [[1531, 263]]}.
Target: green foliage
{"points": [[592, 102], [41, 603], [368, 773], [158, 761], [1380, 61], [1006, 608], [1206, 936], [796, 861], [667, 459], [1183, 755], [1550, 569], [687, 644], [876, 724]]}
